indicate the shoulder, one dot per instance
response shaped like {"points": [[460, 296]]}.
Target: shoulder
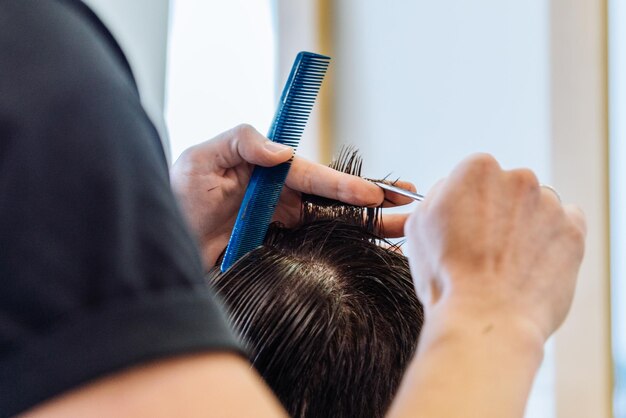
{"points": [[57, 45]]}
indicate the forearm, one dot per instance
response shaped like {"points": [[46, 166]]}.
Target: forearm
{"points": [[192, 385], [478, 366]]}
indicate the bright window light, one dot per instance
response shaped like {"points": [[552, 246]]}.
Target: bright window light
{"points": [[221, 65]]}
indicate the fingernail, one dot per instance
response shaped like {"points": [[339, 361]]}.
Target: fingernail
{"points": [[275, 147]]}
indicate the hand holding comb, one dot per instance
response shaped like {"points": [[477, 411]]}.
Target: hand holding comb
{"points": [[266, 183]]}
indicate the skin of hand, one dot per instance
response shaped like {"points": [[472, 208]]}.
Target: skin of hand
{"points": [[209, 181], [486, 238], [495, 258]]}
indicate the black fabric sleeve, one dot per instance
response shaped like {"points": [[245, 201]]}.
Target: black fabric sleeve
{"points": [[97, 269]]}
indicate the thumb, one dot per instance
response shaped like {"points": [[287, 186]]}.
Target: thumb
{"points": [[244, 144]]}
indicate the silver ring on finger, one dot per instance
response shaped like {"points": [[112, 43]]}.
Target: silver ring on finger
{"points": [[553, 190]]}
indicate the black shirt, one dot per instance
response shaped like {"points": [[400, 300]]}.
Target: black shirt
{"points": [[98, 271]]}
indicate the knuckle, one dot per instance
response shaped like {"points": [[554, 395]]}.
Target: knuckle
{"points": [[525, 179], [191, 155], [485, 160], [577, 238], [245, 132], [307, 180], [577, 216], [578, 222], [483, 164], [573, 230], [248, 143], [244, 129], [346, 193]]}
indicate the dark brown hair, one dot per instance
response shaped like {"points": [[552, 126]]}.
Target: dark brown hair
{"points": [[329, 317]]}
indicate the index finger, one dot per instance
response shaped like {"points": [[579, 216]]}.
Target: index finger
{"points": [[313, 178]]}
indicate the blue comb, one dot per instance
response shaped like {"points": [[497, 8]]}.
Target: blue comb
{"points": [[266, 183]]}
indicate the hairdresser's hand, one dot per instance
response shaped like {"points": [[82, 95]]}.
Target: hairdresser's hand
{"points": [[488, 243], [210, 179], [495, 259]]}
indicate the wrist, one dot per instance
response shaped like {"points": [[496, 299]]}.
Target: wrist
{"points": [[467, 322], [484, 360]]}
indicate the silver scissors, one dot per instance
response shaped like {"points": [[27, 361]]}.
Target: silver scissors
{"points": [[415, 196]]}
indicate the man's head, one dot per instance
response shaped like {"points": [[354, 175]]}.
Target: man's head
{"points": [[329, 317]]}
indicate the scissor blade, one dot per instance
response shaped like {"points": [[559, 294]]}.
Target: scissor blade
{"points": [[415, 196]]}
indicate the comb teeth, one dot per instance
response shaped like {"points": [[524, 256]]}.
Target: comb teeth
{"points": [[266, 183], [298, 98]]}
